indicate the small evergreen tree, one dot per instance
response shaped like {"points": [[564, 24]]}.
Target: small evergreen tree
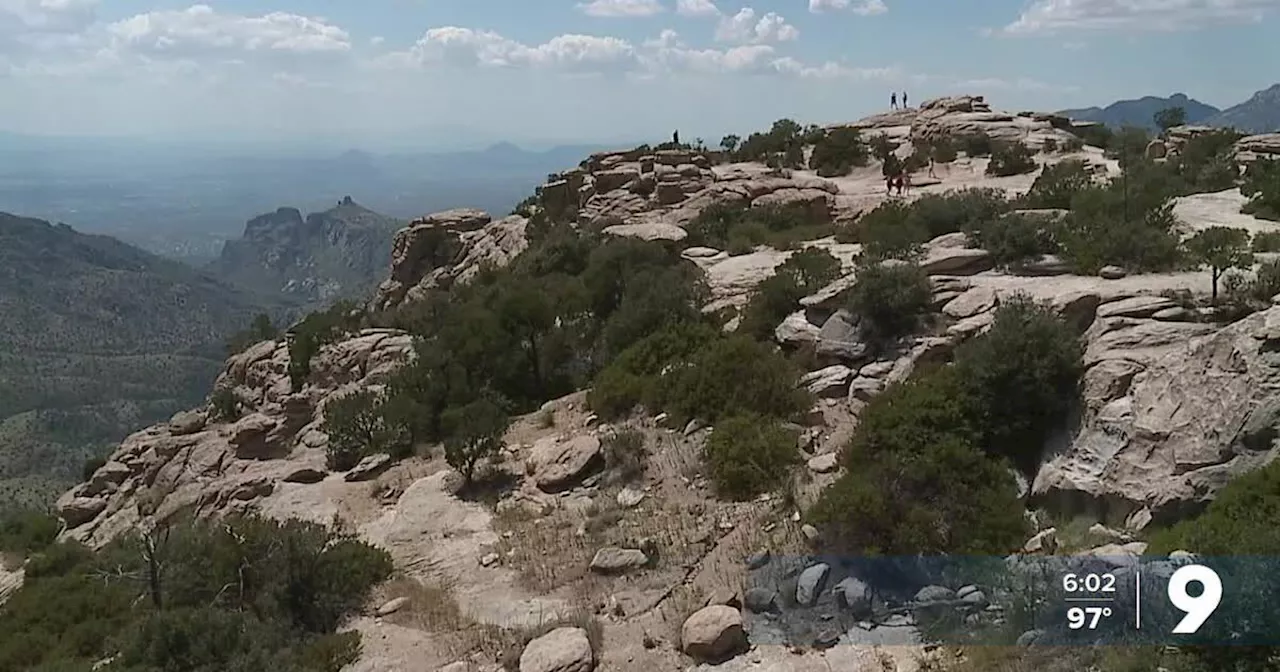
{"points": [[1221, 248], [474, 432]]}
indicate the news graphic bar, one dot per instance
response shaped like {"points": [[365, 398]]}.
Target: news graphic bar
{"points": [[1020, 600]]}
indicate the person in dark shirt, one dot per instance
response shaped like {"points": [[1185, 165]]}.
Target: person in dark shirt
{"points": [[904, 100], [893, 100]]}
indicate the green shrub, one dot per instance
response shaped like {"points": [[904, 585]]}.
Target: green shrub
{"points": [[838, 152], [1238, 524], [1206, 163], [1266, 241], [27, 531], [896, 230], [749, 455], [314, 331], [734, 375], [802, 274], [1240, 520], [473, 432], [357, 426], [976, 144], [1106, 227], [635, 376], [729, 226], [886, 234], [1056, 185], [235, 594], [781, 144], [891, 301], [1021, 378], [224, 405], [1094, 135], [1262, 186], [1012, 158], [939, 497], [1015, 238], [943, 149], [1050, 145], [956, 210]]}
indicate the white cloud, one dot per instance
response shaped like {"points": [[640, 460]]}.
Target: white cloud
{"points": [[743, 27], [1051, 16], [860, 7], [201, 30], [452, 45], [621, 8], [697, 8], [46, 16]]}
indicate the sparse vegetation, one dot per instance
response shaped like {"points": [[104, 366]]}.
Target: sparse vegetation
{"points": [[1010, 158]]}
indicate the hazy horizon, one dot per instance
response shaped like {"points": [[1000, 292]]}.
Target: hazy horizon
{"points": [[464, 73]]}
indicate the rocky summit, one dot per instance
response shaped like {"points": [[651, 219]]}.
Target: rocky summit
{"points": [[339, 253], [644, 422]]}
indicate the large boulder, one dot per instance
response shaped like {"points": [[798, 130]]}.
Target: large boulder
{"points": [[810, 583], [713, 634], [561, 650], [558, 465], [248, 437], [1182, 414], [839, 338], [612, 560]]}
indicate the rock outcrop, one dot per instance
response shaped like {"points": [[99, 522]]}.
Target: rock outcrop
{"points": [[447, 247], [340, 253], [226, 465], [960, 116], [1155, 442]]}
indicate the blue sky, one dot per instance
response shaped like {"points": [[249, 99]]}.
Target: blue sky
{"points": [[424, 73]]}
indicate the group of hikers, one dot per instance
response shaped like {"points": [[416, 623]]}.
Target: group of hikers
{"points": [[899, 180], [893, 100]]}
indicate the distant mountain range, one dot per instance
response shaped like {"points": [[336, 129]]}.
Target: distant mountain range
{"points": [[184, 202], [97, 339], [340, 253], [1259, 114]]}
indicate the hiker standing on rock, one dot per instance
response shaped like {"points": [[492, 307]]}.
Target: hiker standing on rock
{"points": [[904, 100], [905, 184], [893, 100]]}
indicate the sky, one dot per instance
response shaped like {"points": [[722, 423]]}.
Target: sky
{"points": [[437, 73]]}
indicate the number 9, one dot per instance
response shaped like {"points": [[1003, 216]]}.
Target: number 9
{"points": [[1198, 608]]}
